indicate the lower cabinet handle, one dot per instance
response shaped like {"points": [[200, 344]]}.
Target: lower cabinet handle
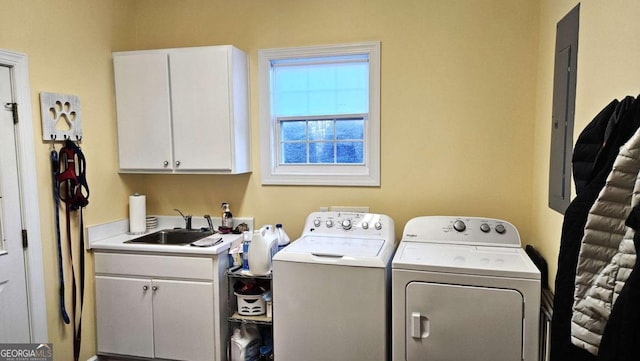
{"points": [[145, 288], [155, 288]]}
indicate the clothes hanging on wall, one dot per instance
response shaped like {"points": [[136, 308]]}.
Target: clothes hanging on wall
{"points": [[611, 128], [600, 253]]}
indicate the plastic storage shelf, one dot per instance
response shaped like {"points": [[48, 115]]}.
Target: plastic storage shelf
{"points": [[237, 273]]}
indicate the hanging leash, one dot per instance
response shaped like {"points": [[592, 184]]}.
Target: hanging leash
{"points": [[56, 205], [73, 190]]}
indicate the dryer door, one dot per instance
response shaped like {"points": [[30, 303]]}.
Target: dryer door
{"points": [[458, 322]]}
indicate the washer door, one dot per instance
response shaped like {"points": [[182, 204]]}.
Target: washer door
{"points": [[456, 322]]}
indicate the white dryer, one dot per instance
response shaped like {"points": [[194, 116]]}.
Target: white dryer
{"points": [[463, 289], [332, 290]]}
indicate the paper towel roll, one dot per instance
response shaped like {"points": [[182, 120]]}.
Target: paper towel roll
{"points": [[137, 213]]}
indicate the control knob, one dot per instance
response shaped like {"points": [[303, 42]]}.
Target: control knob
{"points": [[346, 224], [485, 228], [459, 226], [500, 229], [378, 225], [316, 223], [365, 225], [329, 223]]}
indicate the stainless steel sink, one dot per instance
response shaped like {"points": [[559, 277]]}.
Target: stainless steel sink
{"points": [[172, 236]]}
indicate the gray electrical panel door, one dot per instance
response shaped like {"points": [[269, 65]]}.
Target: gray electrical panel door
{"points": [[564, 98]]}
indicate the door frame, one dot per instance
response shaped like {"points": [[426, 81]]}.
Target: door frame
{"points": [[28, 194]]}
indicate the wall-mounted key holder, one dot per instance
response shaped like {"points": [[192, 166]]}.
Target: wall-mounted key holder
{"points": [[61, 117]]}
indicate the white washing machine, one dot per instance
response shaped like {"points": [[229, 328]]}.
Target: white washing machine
{"points": [[331, 290], [463, 289]]}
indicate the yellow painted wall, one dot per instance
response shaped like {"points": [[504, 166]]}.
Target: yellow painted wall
{"points": [[608, 55], [69, 44], [457, 103]]}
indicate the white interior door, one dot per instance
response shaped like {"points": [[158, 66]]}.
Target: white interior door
{"points": [[14, 322]]}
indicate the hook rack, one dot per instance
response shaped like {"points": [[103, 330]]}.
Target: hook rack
{"points": [[61, 117]]}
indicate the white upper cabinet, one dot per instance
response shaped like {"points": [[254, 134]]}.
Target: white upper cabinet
{"points": [[183, 110]]}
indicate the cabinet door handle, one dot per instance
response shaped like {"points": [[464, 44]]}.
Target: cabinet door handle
{"points": [[177, 163], [154, 288], [145, 288], [166, 163]]}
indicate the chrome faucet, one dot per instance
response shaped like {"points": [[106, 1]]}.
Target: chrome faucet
{"points": [[209, 221], [187, 219]]}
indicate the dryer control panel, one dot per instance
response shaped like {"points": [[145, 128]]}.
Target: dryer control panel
{"points": [[461, 230], [369, 225]]}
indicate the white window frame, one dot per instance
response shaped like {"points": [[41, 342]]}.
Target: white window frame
{"points": [[367, 174]]}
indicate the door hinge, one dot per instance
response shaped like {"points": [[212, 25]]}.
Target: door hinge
{"points": [[13, 107], [25, 239]]}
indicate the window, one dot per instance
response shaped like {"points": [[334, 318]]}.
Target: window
{"points": [[320, 115]]}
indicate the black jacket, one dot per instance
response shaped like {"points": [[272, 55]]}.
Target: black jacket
{"points": [[588, 146], [593, 139]]}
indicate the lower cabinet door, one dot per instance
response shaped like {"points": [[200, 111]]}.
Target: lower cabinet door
{"points": [[124, 319], [183, 320]]}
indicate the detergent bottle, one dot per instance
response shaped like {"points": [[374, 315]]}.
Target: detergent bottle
{"points": [[245, 343], [283, 237], [264, 244]]}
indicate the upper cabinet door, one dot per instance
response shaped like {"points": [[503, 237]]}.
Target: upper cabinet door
{"points": [[183, 110], [143, 111], [202, 130]]}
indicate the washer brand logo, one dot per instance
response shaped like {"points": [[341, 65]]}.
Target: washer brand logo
{"points": [[26, 352], [411, 235]]}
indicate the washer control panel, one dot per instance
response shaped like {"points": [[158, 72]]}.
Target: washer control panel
{"points": [[461, 230], [349, 223]]}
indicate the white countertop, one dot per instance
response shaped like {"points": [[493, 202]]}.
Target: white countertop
{"points": [[117, 243], [112, 237]]}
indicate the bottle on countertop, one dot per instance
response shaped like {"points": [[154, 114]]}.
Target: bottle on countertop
{"points": [[227, 217], [246, 242], [283, 237]]}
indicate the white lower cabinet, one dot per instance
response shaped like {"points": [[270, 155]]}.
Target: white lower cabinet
{"points": [[182, 320], [124, 316], [158, 317]]}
